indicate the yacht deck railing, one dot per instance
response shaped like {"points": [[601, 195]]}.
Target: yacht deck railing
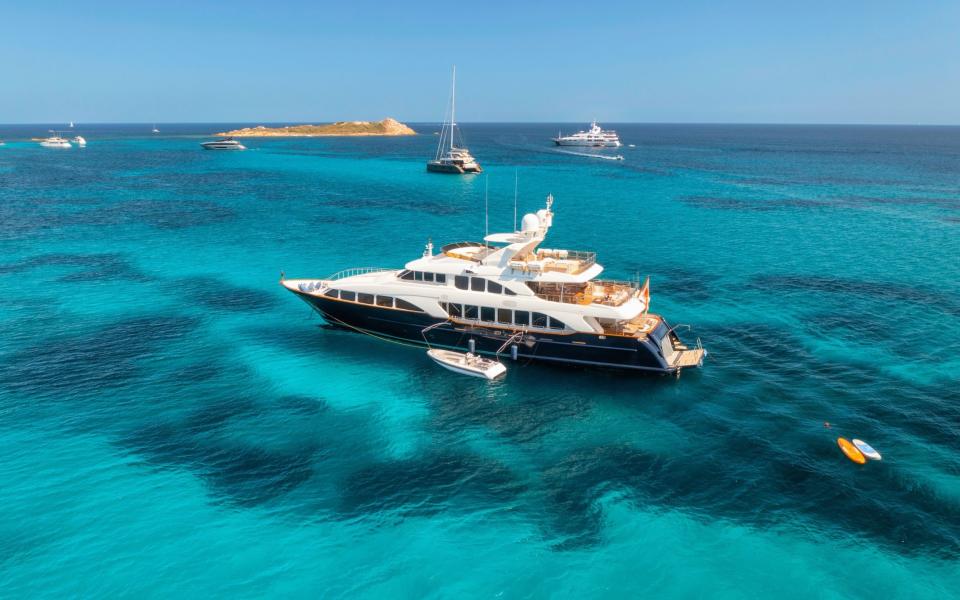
{"points": [[356, 271]]}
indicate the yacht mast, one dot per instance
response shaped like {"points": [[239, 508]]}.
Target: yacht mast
{"points": [[453, 105]]}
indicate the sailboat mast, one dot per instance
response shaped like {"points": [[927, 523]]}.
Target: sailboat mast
{"points": [[453, 105]]}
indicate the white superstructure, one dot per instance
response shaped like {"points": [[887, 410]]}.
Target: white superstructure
{"points": [[595, 136]]}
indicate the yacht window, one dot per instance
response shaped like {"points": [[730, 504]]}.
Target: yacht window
{"points": [[365, 298], [386, 301], [462, 282], [556, 324], [494, 288], [504, 316], [471, 312], [345, 295], [477, 284], [539, 320], [439, 277], [521, 317], [418, 275], [508, 291], [333, 294], [487, 314], [406, 275], [428, 277], [407, 305], [454, 310]]}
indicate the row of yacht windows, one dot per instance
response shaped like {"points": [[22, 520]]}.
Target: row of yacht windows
{"points": [[462, 282], [504, 316], [479, 284], [423, 276], [377, 300]]}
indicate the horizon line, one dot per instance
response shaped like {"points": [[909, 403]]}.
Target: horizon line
{"points": [[290, 122]]}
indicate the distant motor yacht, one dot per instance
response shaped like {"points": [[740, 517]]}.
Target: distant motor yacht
{"points": [[452, 157], [595, 136], [224, 144], [79, 141], [155, 130], [55, 141]]}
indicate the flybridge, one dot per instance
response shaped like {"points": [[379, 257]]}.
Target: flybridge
{"points": [[521, 256]]}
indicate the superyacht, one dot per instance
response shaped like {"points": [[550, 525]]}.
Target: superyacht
{"points": [[55, 141], [223, 144], [506, 295], [595, 136]]}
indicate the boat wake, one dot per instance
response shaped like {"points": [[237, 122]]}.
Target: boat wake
{"points": [[589, 155]]}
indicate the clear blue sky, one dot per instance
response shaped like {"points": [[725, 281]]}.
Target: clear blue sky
{"points": [[699, 61]]}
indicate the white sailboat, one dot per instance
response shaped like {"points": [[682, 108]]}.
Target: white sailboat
{"points": [[452, 157]]}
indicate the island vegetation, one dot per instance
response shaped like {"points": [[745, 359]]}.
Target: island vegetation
{"points": [[387, 126]]}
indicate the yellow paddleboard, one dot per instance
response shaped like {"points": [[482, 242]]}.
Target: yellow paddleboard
{"points": [[851, 451]]}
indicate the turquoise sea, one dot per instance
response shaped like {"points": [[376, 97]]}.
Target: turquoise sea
{"points": [[175, 424]]}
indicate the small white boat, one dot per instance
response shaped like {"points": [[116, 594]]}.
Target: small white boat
{"points": [[55, 141], [155, 130], [224, 144], [71, 124], [79, 141], [466, 363]]}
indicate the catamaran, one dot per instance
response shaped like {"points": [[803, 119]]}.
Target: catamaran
{"points": [[452, 156], [506, 295]]}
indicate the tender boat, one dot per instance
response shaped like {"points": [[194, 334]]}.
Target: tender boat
{"points": [[466, 363], [78, 140], [595, 136], [452, 157], [506, 295], [224, 144], [55, 141]]}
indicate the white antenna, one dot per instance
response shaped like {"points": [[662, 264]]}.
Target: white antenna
{"points": [[516, 179], [486, 207]]}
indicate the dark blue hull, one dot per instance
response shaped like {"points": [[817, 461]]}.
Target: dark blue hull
{"points": [[609, 351]]}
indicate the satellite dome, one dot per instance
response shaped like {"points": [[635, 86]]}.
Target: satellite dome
{"points": [[530, 223]]}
